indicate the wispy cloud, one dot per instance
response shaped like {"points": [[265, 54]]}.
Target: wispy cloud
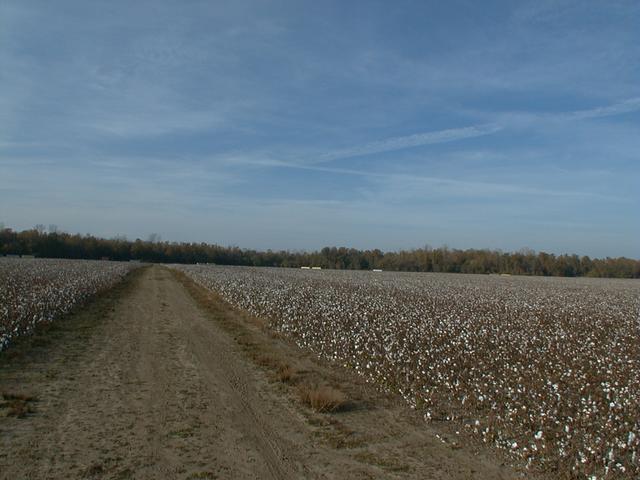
{"points": [[455, 134], [420, 119], [156, 123], [510, 119], [626, 106], [409, 141], [451, 186]]}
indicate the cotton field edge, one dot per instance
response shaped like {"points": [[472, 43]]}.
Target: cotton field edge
{"points": [[546, 368], [34, 291]]}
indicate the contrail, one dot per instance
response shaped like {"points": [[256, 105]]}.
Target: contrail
{"points": [[626, 106], [416, 140]]}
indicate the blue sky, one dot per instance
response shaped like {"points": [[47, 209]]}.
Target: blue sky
{"points": [[303, 124]]}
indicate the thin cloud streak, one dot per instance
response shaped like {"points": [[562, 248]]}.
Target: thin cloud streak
{"points": [[212, 112], [454, 134], [524, 118], [409, 141], [461, 186], [629, 105]]}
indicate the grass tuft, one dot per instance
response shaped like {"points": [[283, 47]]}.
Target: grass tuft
{"points": [[286, 374], [322, 398], [17, 404]]}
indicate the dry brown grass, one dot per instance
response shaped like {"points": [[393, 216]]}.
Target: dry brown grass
{"points": [[266, 360], [17, 404], [322, 398], [391, 464], [264, 348], [286, 374], [19, 396], [94, 470]]}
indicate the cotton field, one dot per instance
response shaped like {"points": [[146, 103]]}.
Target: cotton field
{"points": [[545, 368], [37, 290]]}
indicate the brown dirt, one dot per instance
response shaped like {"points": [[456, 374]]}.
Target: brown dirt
{"points": [[161, 379]]}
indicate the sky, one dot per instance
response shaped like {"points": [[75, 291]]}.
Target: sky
{"points": [[302, 124]]}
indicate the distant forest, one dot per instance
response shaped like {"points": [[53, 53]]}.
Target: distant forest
{"points": [[53, 244]]}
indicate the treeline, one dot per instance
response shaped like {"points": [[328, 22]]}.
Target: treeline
{"points": [[40, 243]]}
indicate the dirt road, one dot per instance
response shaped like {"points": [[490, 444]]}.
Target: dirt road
{"points": [[145, 383]]}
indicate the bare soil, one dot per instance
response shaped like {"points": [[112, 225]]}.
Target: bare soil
{"points": [[159, 378]]}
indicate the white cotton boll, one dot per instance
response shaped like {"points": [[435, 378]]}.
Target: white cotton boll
{"points": [[417, 331]]}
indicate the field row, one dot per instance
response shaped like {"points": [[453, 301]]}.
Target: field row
{"points": [[33, 291], [546, 368]]}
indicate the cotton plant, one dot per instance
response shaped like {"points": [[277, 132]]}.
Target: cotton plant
{"points": [[35, 291], [545, 368]]}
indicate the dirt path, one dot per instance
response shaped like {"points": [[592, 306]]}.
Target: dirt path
{"points": [[143, 384]]}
